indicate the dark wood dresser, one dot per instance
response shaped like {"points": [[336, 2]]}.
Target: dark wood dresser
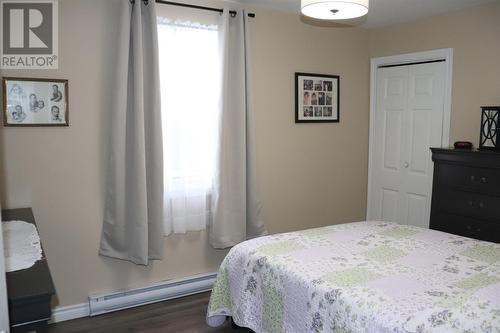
{"points": [[466, 193], [29, 291]]}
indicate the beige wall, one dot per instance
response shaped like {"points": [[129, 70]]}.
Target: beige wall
{"points": [[474, 34], [309, 175]]}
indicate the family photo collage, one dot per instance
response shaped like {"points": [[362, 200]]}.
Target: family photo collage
{"points": [[35, 102], [316, 98]]}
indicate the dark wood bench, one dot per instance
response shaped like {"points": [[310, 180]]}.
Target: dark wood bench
{"points": [[29, 291]]}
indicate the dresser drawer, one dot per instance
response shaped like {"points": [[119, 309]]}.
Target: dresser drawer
{"points": [[30, 309], [466, 193], [471, 178], [467, 227], [469, 204]]}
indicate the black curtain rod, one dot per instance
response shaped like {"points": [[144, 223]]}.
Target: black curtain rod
{"points": [[219, 10], [413, 63]]}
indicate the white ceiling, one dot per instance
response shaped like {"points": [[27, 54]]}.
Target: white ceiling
{"points": [[384, 12]]}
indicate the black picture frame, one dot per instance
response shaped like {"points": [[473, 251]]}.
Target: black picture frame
{"points": [[53, 112], [325, 107], [489, 138]]}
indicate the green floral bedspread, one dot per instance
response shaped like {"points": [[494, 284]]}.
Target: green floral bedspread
{"points": [[360, 277]]}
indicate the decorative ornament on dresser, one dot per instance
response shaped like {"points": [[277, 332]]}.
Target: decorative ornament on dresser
{"points": [[463, 145], [490, 133]]}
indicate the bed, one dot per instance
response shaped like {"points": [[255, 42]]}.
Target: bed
{"points": [[360, 277]]}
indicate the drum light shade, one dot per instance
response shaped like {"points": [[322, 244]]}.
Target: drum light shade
{"points": [[334, 9]]}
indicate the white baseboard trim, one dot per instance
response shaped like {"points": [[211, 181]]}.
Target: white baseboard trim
{"points": [[123, 299], [63, 313]]}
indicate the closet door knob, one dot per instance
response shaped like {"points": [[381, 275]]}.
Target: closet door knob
{"points": [[406, 165]]}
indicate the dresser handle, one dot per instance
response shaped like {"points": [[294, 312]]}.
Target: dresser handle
{"points": [[481, 205], [484, 180], [468, 227], [471, 204], [478, 230], [472, 178]]}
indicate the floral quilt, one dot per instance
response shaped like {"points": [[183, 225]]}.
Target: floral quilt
{"points": [[360, 277]]}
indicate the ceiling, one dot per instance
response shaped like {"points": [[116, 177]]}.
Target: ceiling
{"points": [[384, 12]]}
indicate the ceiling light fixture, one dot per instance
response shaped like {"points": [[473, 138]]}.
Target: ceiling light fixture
{"points": [[334, 9]]}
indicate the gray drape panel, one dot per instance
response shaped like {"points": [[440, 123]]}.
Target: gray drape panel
{"points": [[133, 217], [236, 207]]}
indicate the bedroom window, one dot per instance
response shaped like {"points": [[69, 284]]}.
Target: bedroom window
{"points": [[189, 76]]}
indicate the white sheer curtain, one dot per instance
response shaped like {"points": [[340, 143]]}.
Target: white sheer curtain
{"points": [[190, 93]]}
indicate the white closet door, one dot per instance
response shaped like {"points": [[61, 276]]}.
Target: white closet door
{"points": [[408, 121], [389, 147], [424, 130]]}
